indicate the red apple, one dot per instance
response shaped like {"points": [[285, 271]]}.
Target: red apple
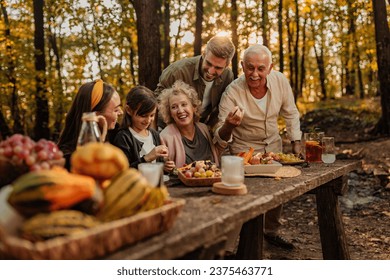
{"points": [[188, 174]]}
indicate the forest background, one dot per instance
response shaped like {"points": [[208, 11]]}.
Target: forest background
{"points": [[329, 50]]}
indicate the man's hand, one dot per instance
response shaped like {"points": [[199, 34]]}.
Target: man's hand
{"points": [[233, 119], [296, 147]]}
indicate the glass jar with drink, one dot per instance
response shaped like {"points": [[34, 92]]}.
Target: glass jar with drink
{"points": [[313, 146]]}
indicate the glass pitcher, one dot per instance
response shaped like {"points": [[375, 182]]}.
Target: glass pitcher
{"points": [[89, 131]]}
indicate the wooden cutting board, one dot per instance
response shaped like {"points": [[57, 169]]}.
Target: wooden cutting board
{"points": [[283, 172]]}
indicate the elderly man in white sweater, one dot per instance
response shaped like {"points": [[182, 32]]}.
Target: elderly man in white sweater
{"points": [[248, 114]]}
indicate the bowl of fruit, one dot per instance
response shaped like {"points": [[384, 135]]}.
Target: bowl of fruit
{"points": [[260, 163], [199, 173], [20, 154]]}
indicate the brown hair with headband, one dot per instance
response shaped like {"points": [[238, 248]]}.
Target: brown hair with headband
{"points": [[97, 93], [91, 97]]}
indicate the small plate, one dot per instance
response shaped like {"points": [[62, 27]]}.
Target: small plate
{"points": [[262, 168], [197, 182]]}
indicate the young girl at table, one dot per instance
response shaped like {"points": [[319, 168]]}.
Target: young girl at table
{"points": [[136, 138]]}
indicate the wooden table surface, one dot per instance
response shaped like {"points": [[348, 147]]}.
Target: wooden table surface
{"points": [[207, 218]]}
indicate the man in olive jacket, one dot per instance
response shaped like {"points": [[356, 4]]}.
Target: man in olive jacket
{"points": [[207, 73]]}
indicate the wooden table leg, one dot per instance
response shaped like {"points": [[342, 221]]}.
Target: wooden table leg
{"points": [[250, 246], [333, 240]]}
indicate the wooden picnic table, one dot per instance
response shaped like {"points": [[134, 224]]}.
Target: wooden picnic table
{"points": [[207, 218]]}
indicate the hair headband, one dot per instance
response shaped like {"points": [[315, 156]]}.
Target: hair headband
{"points": [[97, 93]]}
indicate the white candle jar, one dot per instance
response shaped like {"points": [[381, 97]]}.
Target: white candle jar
{"points": [[232, 171]]}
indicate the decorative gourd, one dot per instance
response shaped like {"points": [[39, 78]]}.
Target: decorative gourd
{"points": [[130, 193], [59, 223], [50, 190], [127, 190], [101, 161]]}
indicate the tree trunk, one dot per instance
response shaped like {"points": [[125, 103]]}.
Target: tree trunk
{"points": [[382, 36], [167, 44], [359, 72], [234, 15], [10, 74], [265, 23], [344, 60], [121, 89], [349, 81], [371, 76], [41, 129], [290, 51], [303, 69], [320, 63], [321, 69], [350, 72], [148, 30], [5, 131], [280, 28], [58, 93], [198, 27], [356, 53], [132, 60], [296, 52]]}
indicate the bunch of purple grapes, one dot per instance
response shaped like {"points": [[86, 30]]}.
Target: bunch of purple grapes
{"points": [[22, 150]]}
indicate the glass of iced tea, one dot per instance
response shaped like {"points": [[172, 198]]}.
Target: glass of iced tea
{"points": [[313, 147]]}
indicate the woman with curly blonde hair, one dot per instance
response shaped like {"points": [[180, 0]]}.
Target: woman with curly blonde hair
{"points": [[187, 139]]}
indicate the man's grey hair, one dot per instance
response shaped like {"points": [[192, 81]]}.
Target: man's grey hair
{"points": [[257, 48]]}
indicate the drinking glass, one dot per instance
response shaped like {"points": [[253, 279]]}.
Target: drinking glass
{"points": [[153, 172], [328, 150], [232, 168], [313, 148]]}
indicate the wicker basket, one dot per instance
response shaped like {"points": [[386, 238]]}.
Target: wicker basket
{"points": [[10, 171], [198, 182], [95, 242]]}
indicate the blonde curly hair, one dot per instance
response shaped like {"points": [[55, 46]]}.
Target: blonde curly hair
{"points": [[179, 87]]}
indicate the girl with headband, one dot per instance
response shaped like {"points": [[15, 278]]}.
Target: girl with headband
{"points": [[96, 97]]}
